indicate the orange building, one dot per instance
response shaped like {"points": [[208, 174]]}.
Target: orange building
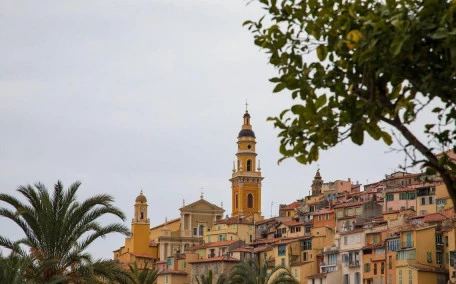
{"points": [[246, 178]]}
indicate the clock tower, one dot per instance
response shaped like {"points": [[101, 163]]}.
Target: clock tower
{"points": [[246, 177]]}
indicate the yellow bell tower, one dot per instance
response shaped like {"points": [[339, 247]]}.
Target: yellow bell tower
{"points": [[140, 226], [246, 178]]}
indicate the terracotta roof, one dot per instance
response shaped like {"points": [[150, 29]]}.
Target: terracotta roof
{"points": [[434, 217], [402, 189], [237, 220], [214, 244], [266, 221], [351, 231], [243, 249], [292, 223], [427, 268], [291, 206], [218, 258], [349, 204], [262, 248], [323, 211]]}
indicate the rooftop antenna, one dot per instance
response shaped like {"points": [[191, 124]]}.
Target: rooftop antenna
{"points": [[272, 202]]}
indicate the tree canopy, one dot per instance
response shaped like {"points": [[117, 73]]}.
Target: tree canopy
{"points": [[364, 67], [57, 231]]}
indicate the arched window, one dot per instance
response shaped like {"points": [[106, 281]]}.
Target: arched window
{"points": [[236, 202], [250, 200], [239, 165], [142, 215], [201, 230], [249, 165]]}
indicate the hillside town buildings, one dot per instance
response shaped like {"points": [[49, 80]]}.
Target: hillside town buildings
{"points": [[398, 230]]}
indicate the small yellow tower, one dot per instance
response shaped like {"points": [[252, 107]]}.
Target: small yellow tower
{"points": [[246, 178], [140, 226]]}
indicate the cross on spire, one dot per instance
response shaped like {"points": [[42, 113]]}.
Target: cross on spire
{"points": [[246, 105]]}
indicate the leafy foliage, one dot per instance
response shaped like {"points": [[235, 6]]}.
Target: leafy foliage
{"points": [[250, 272], [58, 229], [378, 64], [145, 275], [208, 279]]}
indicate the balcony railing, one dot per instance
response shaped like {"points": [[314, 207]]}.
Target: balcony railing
{"points": [[325, 264], [353, 263], [408, 244], [330, 250]]}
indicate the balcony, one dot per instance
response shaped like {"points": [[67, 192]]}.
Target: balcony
{"points": [[439, 247], [353, 263], [325, 264], [329, 250], [406, 245]]}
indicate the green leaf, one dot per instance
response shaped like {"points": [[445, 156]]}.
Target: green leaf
{"points": [[322, 51], [321, 101], [397, 44], [279, 87]]}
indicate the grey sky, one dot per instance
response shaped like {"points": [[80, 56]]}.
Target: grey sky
{"points": [[131, 95]]}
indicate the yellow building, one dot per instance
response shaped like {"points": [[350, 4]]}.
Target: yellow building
{"points": [[138, 247], [176, 236], [246, 178], [234, 228]]}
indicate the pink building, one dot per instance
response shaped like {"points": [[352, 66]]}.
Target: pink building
{"points": [[399, 199]]}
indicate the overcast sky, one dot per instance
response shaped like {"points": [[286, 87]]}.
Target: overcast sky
{"points": [[131, 95]]}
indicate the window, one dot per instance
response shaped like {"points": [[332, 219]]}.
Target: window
{"points": [[374, 239], [375, 268], [281, 250], [195, 231], [346, 279], [236, 201], [350, 211], [306, 244], [283, 261], [251, 238], [390, 197], [250, 200], [201, 230], [345, 240], [440, 202], [400, 276], [407, 254], [358, 210], [429, 257], [249, 165], [410, 276], [305, 256], [439, 258], [382, 268], [340, 213], [390, 262], [320, 217], [390, 278], [332, 259], [367, 267], [327, 216]]}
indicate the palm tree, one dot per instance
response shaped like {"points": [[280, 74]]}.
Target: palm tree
{"points": [[250, 272], [58, 229], [145, 275], [208, 279], [13, 268]]}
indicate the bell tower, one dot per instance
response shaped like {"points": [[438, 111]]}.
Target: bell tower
{"points": [[140, 226], [246, 177]]}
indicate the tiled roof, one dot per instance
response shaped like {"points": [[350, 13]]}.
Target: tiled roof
{"points": [[323, 211], [292, 223], [262, 248], [244, 249], [214, 244], [434, 217], [291, 206], [143, 255], [218, 258], [237, 220], [349, 204]]}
